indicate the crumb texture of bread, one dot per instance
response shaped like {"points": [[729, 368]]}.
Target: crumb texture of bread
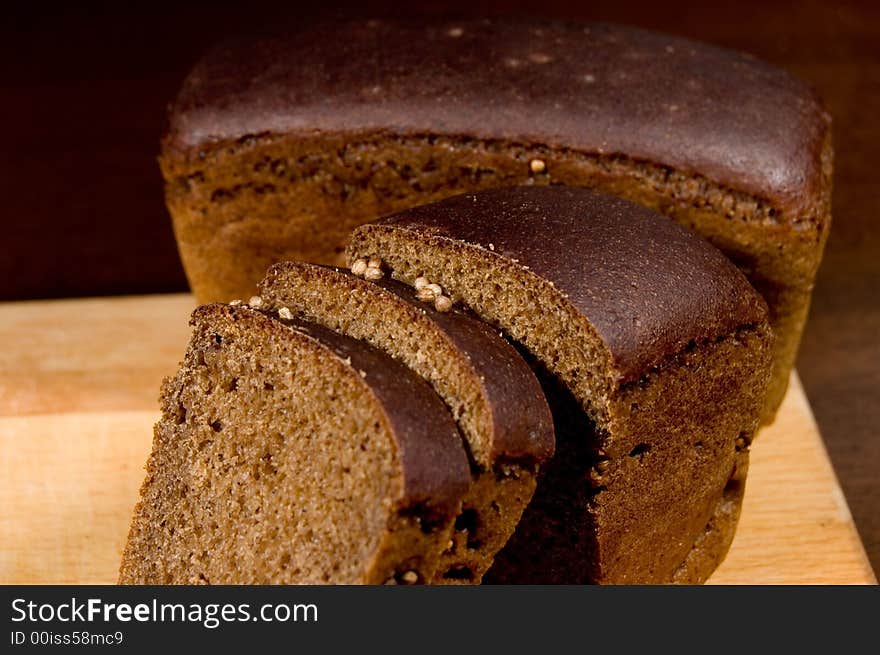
{"points": [[256, 172], [655, 354], [490, 390], [276, 461]]}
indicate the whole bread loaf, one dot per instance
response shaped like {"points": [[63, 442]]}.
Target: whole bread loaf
{"points": [[278, 147], [655, 354]]}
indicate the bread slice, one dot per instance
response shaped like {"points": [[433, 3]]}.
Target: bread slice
{"points": [[278, 147], [287, 453], [657, 353], [492, 392]]}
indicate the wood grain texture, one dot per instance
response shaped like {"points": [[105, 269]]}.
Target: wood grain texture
{"points": [[74, 439], [69, 485], [99, 354], [796, 527]]}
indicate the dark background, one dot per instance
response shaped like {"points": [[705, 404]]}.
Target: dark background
{"points": [[83, 105]]}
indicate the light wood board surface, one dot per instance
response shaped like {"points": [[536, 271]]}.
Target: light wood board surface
{"points": [[79, 381]]}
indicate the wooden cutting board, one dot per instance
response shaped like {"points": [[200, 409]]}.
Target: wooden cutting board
{"points": [[79, 382]]}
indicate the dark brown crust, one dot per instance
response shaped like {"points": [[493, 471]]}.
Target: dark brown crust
{"points": [[595, 88], [435, 468], [647, 285], [523, 426]]}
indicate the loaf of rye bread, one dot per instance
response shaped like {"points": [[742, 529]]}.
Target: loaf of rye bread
{"points": [[287, 453], [278, 147], [655, 352], [491, 391], [291, 452]]}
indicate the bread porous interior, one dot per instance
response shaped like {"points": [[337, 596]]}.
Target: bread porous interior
{"points": [[398, 329], [525, 306], [532, 312], [272, 463], [491, 512], [500, 490]]}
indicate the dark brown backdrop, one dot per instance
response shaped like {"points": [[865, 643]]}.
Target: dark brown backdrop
{"points": [[83, 106]]}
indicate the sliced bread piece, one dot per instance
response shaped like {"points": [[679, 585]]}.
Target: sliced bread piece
{"points": [[287, 453]]}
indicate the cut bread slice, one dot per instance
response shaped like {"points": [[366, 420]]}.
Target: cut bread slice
{"points": [[287, 453], [492, 392], [657, 358]]}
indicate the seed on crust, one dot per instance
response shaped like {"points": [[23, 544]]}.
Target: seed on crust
{"points": [[373, 273], [425, 295], [359, 267], [443, 304]]}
